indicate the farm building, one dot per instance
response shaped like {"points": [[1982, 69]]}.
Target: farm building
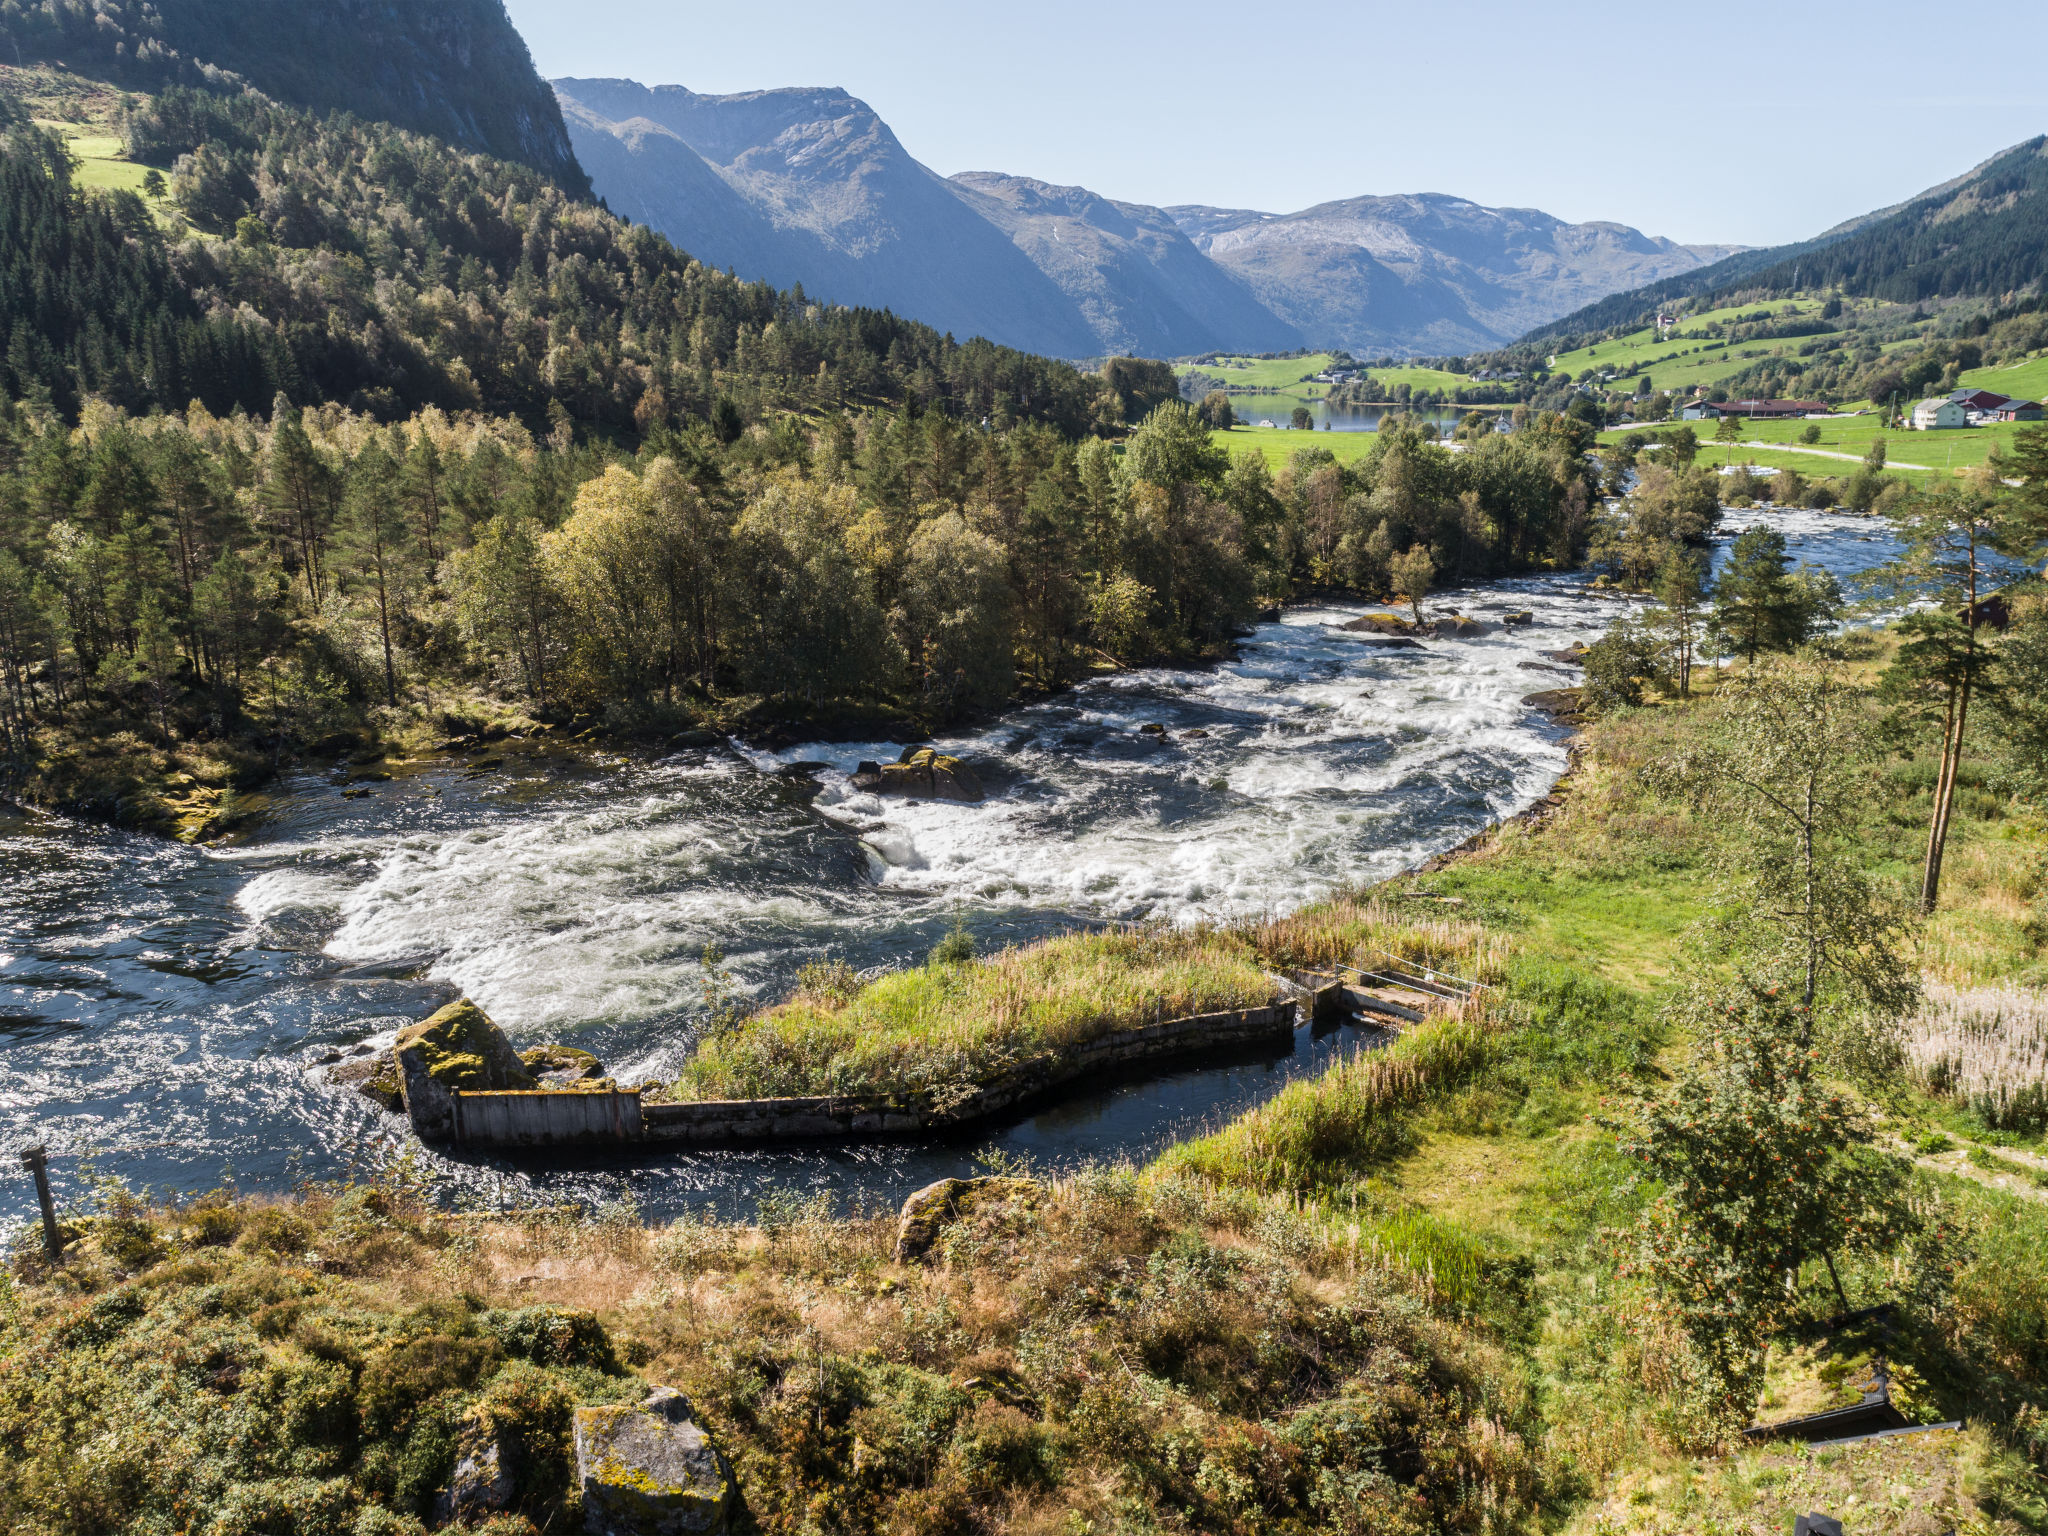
{"points": [[2016, 410], [1938, 412], [1753, 410], [1978, 399]]}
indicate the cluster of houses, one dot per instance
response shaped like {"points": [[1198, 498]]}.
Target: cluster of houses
{"points": [[1972, 408], [1337, 376]]}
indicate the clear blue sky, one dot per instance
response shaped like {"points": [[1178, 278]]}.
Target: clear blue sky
{"points": [[1754, 124]]}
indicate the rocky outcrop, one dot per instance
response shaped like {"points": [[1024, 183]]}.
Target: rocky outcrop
{"points": [[927, 1213], [1379, 624], [482, 1483], [456, 1049], [922, 774], [561, 1066], [1521, 620], [1452, 626], [651, 1470], [374, 1077]]}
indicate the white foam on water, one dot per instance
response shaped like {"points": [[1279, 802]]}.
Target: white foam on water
{"points": [[564, 918]]}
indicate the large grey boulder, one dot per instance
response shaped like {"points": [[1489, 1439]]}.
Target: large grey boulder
{"points": [[456, 1049], [651, 1470], [927, 1212]]}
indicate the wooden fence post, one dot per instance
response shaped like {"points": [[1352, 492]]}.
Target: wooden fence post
{"points": [[35, 1160]]}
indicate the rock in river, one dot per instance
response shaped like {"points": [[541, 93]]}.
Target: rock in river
{"points": [[458, 1048], [923, 774], [651, 1470]]}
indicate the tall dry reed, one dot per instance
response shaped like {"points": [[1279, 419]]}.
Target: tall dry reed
{"points": [[1986, 1047]]}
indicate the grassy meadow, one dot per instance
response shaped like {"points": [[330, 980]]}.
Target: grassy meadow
{"points": [[1279, 444], [1922, 457], [1281, 373], [1687, 358], [943, 1029]]}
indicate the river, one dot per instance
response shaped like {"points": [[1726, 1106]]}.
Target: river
{"points": [[164, 1009]]}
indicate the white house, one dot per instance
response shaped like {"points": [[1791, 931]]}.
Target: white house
{"points": [[1939, 412]]}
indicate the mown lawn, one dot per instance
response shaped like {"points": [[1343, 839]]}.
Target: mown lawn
{"points": [[1279, 444]]}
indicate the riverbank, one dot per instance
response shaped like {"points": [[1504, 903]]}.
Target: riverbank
{"points": [[1407, 1250]]}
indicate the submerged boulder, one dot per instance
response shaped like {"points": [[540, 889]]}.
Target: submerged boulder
{"points": [[1379, 624], [1454, 626], [923, 774], [651, 1470], [455, 1049]]}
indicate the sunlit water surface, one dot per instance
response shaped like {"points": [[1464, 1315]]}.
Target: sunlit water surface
{"points": [[163, 1008]]}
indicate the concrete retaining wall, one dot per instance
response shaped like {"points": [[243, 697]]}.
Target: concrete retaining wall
{"points": [[558, 1118], [547, 1117]]}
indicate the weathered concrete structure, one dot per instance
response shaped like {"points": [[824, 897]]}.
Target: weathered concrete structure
{"points": [[602, 1113]]}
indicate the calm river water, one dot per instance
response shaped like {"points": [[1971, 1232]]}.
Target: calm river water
{"points": [[163, 1008]]}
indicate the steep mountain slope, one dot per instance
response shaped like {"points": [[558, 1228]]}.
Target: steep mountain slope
{"points": [[1983, 233], [1426, 271], [839, 205], [1139, 282], [856, 219], [456, 69]]}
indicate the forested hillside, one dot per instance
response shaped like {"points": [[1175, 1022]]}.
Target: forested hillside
{"points": [[455, 69], [1982, 235]]}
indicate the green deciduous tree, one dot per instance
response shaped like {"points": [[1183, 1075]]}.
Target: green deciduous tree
{"points": [[1754, 1168], [1784, 770]]}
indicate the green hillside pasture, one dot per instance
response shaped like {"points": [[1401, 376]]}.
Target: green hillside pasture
{"points": [[2026, 381], [1682, 362], [1420, 378], [1918, 456], [1262, 373], [101, 165], [1279, 444]]}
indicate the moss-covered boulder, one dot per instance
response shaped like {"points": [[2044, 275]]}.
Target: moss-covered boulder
{"points": [[561, 1066], [651, 1470], [374, 1077], [457, 1049], [927, 1213], [922, 774]]}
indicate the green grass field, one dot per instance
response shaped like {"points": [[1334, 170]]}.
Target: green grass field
{"points": [[1262, 373], [1919, 456], [1683, 360], [1286, 374], [2027, 380], [102, 166], [1279, 444]]}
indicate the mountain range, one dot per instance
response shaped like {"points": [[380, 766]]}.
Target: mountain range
{"points": [[812, 186]]}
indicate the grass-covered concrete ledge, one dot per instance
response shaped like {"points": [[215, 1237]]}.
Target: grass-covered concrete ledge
{"points": [[947, 1028]]}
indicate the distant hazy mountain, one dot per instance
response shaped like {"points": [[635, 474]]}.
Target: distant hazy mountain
{"points": [[811, 186], [836, 203], [1428, 272], [1138, 281], [1981, 234]]}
